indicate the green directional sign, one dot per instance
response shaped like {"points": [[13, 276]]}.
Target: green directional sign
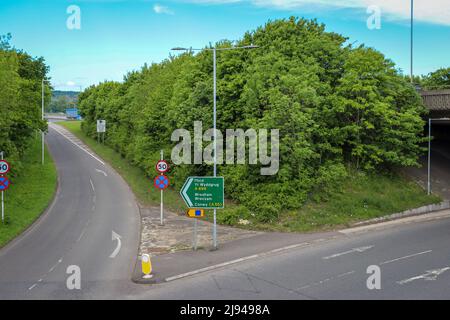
{"points": [[203, 192]]}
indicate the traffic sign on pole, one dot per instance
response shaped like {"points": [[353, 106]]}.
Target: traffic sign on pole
{"points": [[4, 167], [195, 213], [162, 166], [101, 126], [204, 192], [4, 183], [161, 182]]}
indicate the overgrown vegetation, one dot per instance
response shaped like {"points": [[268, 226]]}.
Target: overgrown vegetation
{"points": [[30, 194], [362, 196], [20, 100], [340, 110]]}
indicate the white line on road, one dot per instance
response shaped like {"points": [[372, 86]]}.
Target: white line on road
{"points": [[31, 288], [406, 257], [221, 265], [360, 250], [315, 284], [82, 148], [102, 172], [82, 234], [92, 185], [430, 275]]}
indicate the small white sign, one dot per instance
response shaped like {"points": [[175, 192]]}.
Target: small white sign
{"points": [[101, 126]]}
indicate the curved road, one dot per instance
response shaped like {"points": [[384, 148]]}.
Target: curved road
{"points": [[92, 202]]}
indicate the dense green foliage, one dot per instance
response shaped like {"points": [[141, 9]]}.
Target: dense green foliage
{"points": [[336, 107], [439, 79], [20, 100], [30, 194]]}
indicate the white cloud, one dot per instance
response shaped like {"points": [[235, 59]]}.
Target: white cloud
{"points": [[434, 11], [159, 9]]}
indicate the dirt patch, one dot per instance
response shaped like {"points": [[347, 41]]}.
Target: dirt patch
{"points": [[177, 233]]}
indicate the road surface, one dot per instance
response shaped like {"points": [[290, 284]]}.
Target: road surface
{"points": [[92, 202], [414, 260]]}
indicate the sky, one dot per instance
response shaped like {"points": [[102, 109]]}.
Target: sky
{"points": [[89, 41]]}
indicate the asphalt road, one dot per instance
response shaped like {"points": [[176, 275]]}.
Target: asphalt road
{"points": [[414, 261], [92, 202]]}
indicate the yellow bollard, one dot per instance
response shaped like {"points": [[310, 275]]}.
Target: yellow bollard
{"points": [[146, 266]]}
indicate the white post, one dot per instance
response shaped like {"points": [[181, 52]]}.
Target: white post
{"points": [[412, 40], [215, 142], [42, 132], [195, 234], [429, 157], [162, 196]]}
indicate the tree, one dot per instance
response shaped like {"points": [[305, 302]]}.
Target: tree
{"points": [[439, 79]]}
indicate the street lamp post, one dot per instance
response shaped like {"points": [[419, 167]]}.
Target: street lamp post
{"points": [[42, 114], [412, 40], [214, 50], [430, 120]]}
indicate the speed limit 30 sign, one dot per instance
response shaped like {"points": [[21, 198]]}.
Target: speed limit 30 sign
{"points": [[162, 166], [4, 167]]}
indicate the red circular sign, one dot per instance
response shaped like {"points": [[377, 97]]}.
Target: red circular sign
{"points": [[4, 167], [161, 182], [162, 166]]}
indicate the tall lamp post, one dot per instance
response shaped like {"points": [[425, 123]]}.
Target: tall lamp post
{"points": [[430, 120], [43, 118], [412, 40], [214, 50]]}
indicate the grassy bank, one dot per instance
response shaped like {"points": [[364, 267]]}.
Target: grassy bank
{"points": [[359, 198], [29, 194]]}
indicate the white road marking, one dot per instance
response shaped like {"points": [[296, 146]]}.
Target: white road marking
{"points": [[82, 234], [102, 172], [430, 275], [92, 185], [117, 237], [73, 142], [221, 265], [360, 250], [406, 257], [315, 284], [31, 288]]}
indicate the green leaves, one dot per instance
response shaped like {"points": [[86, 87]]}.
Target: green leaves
{"points": [[20, 100], [335, 106]]}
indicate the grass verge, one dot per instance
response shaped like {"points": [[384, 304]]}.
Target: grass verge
{"points": [[30, 193], [361, 197]]}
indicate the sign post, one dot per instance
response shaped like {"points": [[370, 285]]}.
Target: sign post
{"points": [[4, 182], [161, 181], [204, 193], [195, 213], [101, 128]]}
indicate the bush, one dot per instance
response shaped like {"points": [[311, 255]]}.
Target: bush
{"points": [[335, 106]]}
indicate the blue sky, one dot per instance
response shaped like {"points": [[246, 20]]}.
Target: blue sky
{"points": [[118, 36]]}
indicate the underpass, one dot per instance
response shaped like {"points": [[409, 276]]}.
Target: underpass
{"points": [[438, 102]]}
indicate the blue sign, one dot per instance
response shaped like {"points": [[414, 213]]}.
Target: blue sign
{"points": [[4, 183], [161, 182], [72, 113]]}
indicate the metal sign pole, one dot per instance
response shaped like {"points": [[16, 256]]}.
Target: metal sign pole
{"points": [[162, 195], [195, 234], [215, 142]]}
